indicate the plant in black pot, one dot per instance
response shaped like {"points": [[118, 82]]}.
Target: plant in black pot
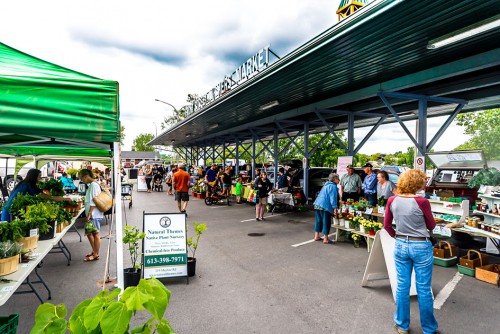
{"points": [[193, 246], [132, 237], [42, 216]]}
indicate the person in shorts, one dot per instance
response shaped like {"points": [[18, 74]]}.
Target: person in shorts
{"points": [[263, 187], [93, 215], [180, 183]]}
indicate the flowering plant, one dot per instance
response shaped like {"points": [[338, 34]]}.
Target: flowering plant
{"points": [[340, 215], [355, 237], [349, 201], [370, 225]]}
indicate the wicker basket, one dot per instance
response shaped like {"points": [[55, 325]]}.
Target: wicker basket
{"points": [[9, 265], [29, 243], [474, 259], [445, 250]]}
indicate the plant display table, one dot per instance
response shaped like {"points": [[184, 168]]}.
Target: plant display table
{"points": [[340, 233], [59, 245], [10, 283]]}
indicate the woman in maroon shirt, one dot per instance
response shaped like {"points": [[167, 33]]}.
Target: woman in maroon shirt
{"points": [[413, 250]]}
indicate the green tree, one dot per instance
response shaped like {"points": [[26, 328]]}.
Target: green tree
{"points": [[141, 142], [484, 129], [179, 114], [122, 134], [329, 150]]}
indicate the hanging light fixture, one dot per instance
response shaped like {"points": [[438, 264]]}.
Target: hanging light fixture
{"points": [[464, 33]]}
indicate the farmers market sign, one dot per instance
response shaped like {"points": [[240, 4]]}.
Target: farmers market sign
{"points": [[242, 73], [165, 250]]}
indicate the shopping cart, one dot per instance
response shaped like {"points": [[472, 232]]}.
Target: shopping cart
{"points": [[127, 193]]}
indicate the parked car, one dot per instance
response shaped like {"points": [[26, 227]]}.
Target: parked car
{"points": [[319, 175], [396, 169]]}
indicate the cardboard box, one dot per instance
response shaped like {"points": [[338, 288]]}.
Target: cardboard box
{"points": [[445, 250], [489, 273]]}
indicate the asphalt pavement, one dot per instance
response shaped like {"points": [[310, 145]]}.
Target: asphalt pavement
{"points": [[261, 284]]}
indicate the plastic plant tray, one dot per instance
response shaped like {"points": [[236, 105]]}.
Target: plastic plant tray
{"points": [[448, 262]]}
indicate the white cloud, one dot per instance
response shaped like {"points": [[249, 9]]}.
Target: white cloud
{"points": [[161, 49]]}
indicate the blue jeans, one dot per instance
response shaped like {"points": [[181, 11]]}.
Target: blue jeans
{"points": [[372, 199], [416, 255], [323, 222]]}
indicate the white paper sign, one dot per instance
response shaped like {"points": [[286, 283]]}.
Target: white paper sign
{"points": [[7, 288], [25, 265], [368, 211], [33, 232], [342, 163], [165, 249]]}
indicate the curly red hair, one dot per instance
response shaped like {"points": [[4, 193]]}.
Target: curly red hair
{"points": [[411, 181]]}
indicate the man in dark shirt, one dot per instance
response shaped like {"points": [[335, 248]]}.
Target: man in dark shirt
{"points": [[210, 177]]}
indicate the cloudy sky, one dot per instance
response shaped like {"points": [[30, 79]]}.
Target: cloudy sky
{"points": [[168, 49]]}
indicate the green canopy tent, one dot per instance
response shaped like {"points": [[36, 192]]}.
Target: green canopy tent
{"points": [[51, 112]]}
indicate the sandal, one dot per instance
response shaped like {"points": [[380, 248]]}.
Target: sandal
{"points": [[319, 239], [91, 258], [89, 254], [326, 242]]}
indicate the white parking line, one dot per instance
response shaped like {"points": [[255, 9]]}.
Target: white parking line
{"points": [[220, 206], [309, 241], [266, 217], [443, 295]]}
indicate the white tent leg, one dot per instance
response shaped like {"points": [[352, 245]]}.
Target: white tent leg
{"points": [[118, 214]]}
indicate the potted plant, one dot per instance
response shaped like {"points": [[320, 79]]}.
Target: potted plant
{"points": [[108, 312], [132, 237], [21, 201], [488, 180], [193, 246], [9, 257], [52, 187], [72, 172], [42, 216], [356, 238], [381, 202]]}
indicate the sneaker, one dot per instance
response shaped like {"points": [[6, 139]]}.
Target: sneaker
{"points": [[262, 218], [399, 330], [258, 219]]}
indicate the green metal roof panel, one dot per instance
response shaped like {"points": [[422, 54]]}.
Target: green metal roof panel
{"points": [[382, 46]]}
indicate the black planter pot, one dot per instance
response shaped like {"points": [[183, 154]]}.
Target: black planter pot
{"points": [[131, 277], [51, 234], [191, 266]]}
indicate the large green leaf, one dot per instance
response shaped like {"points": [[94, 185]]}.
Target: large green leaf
{"points": [[45, 316], [116, 318], [76, 320], [58, 326], [115, 293], [158, 305], [93, 313], [135, 297]]}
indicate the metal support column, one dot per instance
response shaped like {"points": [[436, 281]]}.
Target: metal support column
{"points": [[305, 164], [253, 156], [237, 153], [224, 154], [422, 129], [350, 134], [275, 156]]}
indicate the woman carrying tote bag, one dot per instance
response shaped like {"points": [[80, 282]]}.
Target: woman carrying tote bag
{"points": [[93, 214]]}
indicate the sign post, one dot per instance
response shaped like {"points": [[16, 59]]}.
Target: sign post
{"points": [[165, 247], [420, 163]]}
